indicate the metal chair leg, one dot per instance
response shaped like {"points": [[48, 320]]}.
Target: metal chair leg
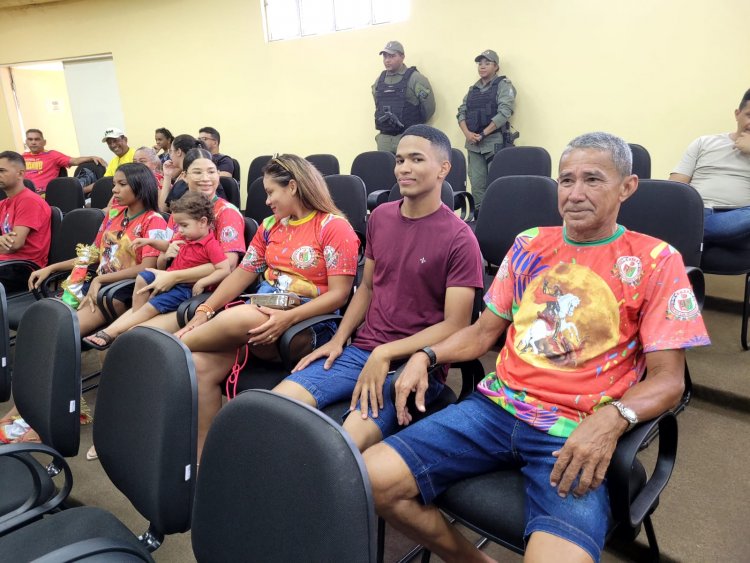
{"points": [[653, 545]]}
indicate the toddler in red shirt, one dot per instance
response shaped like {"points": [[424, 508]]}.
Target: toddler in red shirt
{"points": [[193, 214]]}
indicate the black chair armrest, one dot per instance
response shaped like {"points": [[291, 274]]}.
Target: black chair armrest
{"points": [[472, 372], [620, 469], [31, 509], [464, 202], [286, 339], [186, 309], [20, 269], [105, 299], [698, 281], [83, 550], [376, 198]]}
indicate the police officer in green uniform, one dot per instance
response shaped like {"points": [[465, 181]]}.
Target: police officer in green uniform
{"points": [[403, 97], [483, 116]]}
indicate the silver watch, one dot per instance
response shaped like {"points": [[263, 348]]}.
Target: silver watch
{"points": [[627, 413]]}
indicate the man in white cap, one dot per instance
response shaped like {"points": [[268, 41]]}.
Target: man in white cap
{"points": [[118, 144], [403, 97]]}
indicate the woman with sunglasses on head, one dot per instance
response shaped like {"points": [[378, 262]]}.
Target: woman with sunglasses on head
{"points": [[307, 247]]}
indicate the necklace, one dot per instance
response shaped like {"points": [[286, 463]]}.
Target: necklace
{"points": [[126, 218]]}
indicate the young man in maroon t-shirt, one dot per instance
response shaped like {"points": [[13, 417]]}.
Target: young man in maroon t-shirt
{"points": [[24, 221], [422, 270]]}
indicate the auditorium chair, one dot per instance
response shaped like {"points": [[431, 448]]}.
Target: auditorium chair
{"points": [[520, 161], [66, 194], [376, 168], [326, 164]]}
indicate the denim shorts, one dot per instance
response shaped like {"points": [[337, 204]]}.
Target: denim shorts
{"points": [[322, 332], [337, 384], [477, 436], [168, 301]]}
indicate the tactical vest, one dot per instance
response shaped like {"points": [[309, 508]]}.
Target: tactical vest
{"points": [[481, 107], [393, 114]]}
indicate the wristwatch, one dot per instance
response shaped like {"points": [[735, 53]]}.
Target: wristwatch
{"points": [[203, 308], [430, 354], [627, 413]]}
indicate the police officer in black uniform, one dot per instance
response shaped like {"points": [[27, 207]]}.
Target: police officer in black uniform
{"points": [[403, 97], [483, 118]]}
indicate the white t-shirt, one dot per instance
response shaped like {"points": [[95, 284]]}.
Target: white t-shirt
{"points": [[719, 171]]}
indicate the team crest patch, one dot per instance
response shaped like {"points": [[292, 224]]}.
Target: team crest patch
{"points": [[250, 257], [331, 257], [228, 234], [304, 257], [629, 269], [682, 305]]}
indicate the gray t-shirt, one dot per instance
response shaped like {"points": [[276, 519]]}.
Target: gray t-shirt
{"points": [[719, 171]]}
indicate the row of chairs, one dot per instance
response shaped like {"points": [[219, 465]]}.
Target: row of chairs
{"points": [[248, 484], [511, 195]]}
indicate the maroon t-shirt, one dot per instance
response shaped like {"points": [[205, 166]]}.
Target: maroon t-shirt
{"points": [[416, 260]]}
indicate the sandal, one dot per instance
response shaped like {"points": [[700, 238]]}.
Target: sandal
{"points": [[91, 455], [101, 335], [86, 416]]}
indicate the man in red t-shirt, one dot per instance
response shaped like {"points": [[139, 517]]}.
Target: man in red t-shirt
{"points": [[43, 166], [24, 221]]}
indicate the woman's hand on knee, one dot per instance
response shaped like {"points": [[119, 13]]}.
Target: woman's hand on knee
{"points": [[271, 330]]}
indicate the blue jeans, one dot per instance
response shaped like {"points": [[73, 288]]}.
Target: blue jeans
{"points": [[477, 436], [729, 227], [337, 384]]}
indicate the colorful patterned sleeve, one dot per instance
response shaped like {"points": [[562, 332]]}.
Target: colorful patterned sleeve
{"points": [[670, 318], [255, 257], [500, 298], [340, 246]]}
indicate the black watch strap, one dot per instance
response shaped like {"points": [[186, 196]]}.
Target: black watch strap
{"points": [[431, 355]]}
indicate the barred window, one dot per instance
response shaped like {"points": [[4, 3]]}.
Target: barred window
{"points": [[289, 19]]}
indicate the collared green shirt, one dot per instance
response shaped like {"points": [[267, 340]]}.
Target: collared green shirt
{"points": [[418, 91]]}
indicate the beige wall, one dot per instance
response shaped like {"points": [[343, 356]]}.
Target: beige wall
{"points": [[657, 73], [36, 90]]}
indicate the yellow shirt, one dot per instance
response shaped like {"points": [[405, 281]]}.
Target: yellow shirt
{"points": [[116, 161]]}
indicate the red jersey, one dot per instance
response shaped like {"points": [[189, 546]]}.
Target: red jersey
{"points": [[113, 241], [228, 227], [299, 255]]}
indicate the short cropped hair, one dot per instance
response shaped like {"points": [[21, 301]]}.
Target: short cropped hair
{"points": [[35, 131], [619, 150], [195, 205], [151, 153], [437, 138], [15, 158], [744, 100], [211, 131]]}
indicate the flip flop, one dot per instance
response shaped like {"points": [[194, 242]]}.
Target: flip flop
{"points": [[101, 335]]}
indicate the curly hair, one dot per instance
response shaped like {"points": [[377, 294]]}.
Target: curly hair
{"points": [[195, 205]]}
